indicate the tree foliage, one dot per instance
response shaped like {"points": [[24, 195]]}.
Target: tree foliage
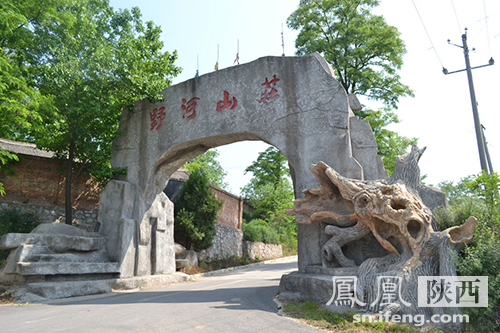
{"points": [[90, 62], [477, 195], [364, 50], [19, 101], [195, 214], [270, 192], [211, 167], [365, 53]]}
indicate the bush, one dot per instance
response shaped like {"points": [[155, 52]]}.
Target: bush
{"points": [[196, 213], [478, 196], [14, 221], [260, 231]]}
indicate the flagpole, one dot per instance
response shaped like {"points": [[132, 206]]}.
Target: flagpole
{"points": [[282, 40]]}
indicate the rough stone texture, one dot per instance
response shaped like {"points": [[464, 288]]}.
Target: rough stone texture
{"points": [[293, 103], [262, 250], [179, 249], [191, 256], [115, 216], [315, 287], [364, 149], [55, 251], [56, 268], [227, 241]]}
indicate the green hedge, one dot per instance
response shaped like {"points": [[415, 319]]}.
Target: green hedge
{"points": [[260, 231]]}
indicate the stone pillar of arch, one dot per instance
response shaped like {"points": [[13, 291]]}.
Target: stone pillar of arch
{"points": [[292, 103]]}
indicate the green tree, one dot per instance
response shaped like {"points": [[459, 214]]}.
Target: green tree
{"points": [[365, 53], [211, 167], [269, 168], [93, 63], [270, 192], [195, 214], [477, 195], [19, 101]]}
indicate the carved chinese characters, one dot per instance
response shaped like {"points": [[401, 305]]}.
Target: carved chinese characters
{"points": [[189, 107], [157, 116], [225, 103], [268, 91]]}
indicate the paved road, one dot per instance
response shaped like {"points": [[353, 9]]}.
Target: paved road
{"points": [[239, 301]]}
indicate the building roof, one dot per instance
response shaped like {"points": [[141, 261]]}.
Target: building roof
{"points": [[24, 148]]}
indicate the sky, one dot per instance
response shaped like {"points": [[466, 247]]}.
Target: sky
{"points": [[440, 114]]}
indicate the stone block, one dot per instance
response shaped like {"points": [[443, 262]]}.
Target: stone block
{"points": [[179, 249], [191, 256], [181, 263], [55, 290], [56, 268]]}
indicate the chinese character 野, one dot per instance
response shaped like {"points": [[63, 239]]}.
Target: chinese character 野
{"points": [[157, 116], [389, 291], [344, 291], [225, 103], [189, 108], [270, 91]]}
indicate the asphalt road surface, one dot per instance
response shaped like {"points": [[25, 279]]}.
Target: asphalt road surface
{"points": [[238, 301]]}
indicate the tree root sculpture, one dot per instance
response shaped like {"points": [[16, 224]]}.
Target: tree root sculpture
{"points": [[392, 211]]}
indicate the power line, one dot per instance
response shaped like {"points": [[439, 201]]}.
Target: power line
{"points": [[456, 17], [487, 30], [428, 36]]}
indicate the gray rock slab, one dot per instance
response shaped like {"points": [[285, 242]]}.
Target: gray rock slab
{"points": [[54, 290], [181, 263], [92, 256], [58, 243], [56, 268], [315, 287], [149, 281], [59, 229]]}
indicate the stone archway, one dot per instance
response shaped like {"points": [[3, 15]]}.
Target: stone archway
{"points": [[292, 103]]}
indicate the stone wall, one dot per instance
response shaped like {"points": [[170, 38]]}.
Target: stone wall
{"points": [[82, 218], [262, 250], [227, 241]]}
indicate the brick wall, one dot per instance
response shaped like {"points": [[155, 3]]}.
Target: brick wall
{"points": [[40, 181], [232, 210]]}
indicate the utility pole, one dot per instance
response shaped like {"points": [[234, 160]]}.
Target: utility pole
{"points": [[481, 142]]}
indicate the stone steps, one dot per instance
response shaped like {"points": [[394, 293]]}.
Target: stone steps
{"points": [[94, 256], [60, 268], [63, 289]]}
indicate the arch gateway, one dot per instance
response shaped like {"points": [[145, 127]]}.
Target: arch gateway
{"points": [[292, 103]]}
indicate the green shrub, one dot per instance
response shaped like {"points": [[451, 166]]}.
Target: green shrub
{"points": [[14, 221], [478, 196], [196, 213], [260, 231], [247, 216]]}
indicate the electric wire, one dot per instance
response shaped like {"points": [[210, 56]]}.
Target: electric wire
{"points": [[487, 30], [456, 17], [428, 36]]}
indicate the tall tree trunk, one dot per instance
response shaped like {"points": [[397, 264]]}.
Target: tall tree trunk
{"points": [[69, 171]]}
